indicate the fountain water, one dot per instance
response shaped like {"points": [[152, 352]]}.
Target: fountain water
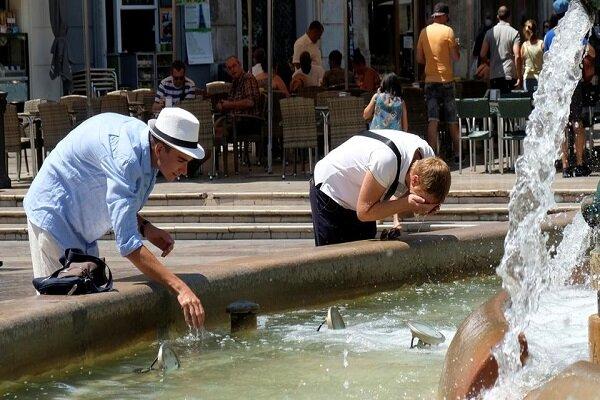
{"points": [[527, 269]]}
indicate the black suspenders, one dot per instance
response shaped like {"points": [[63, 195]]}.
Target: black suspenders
{"points": [[391, 145]]}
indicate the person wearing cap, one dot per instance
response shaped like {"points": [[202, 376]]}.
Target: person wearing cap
{"points": [[437, 48], [502, 49], [97, 179]]}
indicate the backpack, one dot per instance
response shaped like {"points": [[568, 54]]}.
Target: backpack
{"points": [[80, 274]]}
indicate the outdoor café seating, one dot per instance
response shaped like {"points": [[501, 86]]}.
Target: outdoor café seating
{"points": [[77, 107], [345, 118], [475, 124], [56, 124], [15, 140], [114, 104], [202, 110], [299, 130]]}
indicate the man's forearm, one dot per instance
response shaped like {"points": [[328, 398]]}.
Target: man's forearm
{"points": [[148, 264], [383, 209]]}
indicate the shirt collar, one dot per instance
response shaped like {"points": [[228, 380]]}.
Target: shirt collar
{"points": [[147, 155]]}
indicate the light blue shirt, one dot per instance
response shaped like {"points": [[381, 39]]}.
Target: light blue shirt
{"points": [[98, 177]]}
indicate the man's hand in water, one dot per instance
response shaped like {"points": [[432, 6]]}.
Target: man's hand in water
{"points": [[192, 308]]}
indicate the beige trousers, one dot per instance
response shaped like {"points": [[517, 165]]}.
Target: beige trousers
{"points": [[45, 251]]}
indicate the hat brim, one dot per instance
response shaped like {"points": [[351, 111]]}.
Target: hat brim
{"points": [[197, 153], [438, 14]]}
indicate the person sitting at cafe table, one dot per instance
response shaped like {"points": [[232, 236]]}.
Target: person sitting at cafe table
{"points": [[308, 75], [243, 98], [366, 77], [336, 76], [174, 88]]}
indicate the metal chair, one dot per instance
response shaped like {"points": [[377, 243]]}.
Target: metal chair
{"points": [[14, 138], [115, 104], [345, 119], [248, 128], [206, 135], [512, 115], [77, 106], [299, 130], [474, 116], [102, 80], [56, 124]]}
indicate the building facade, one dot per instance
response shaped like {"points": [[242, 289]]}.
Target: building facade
{"points": [[121, 31]]}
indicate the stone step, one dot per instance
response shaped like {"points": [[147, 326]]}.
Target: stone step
{"points": [[301, 198], [215, 231], [285, 214]]}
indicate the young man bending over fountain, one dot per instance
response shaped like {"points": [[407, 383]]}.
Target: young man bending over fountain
{"points": [[371, 176], [99, 177]]}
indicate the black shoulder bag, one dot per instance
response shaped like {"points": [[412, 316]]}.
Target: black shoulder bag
{"points": [[391, 145], [80, 274]]}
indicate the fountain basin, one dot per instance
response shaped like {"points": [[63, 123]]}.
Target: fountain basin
{"points": [[579, 381], [39, 334]]}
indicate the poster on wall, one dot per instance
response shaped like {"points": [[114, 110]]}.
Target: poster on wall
{"points": [[198, 35]]}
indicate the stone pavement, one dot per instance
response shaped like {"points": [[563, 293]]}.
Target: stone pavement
{"points": [[16, 273]]}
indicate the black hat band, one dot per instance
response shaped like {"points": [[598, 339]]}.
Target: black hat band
{"points": [[172, 140]]}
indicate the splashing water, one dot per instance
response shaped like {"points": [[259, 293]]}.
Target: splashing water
{"points": [[526, 268]]}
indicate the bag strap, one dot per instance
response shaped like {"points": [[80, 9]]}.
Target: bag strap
{"points": [[77, 255], [107, 287], [388, 142]]}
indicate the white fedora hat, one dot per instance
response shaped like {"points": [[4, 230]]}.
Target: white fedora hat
{"points": [[178, 128]]}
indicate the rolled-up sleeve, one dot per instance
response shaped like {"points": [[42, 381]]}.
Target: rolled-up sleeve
{"points": [[123, 178]]}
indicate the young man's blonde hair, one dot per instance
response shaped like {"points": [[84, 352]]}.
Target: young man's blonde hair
{"points": [[434, 175]]}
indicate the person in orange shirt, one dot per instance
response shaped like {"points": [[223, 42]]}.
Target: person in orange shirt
{"points": [[366, 77], [437, 48]]}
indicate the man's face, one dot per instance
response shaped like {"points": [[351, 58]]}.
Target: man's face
{"points": [[170, 162], [315, 35], [178, 76], [234, 68], [417, 188]]}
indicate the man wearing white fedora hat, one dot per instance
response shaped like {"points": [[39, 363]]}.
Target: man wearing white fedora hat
{"points": [[99, 177]]}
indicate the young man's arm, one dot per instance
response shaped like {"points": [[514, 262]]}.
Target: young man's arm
{"points": [[369, 208], [149, 265]]}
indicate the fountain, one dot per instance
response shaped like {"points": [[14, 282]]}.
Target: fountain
{"points": [[527, 268]]}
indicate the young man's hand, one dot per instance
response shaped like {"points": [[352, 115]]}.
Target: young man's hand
{"points": [[418, 205], [193, 311], [160, 238]]}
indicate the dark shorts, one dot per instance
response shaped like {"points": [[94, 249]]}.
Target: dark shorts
{"points": [[333, 223], [576, 113], [440, 95]]}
